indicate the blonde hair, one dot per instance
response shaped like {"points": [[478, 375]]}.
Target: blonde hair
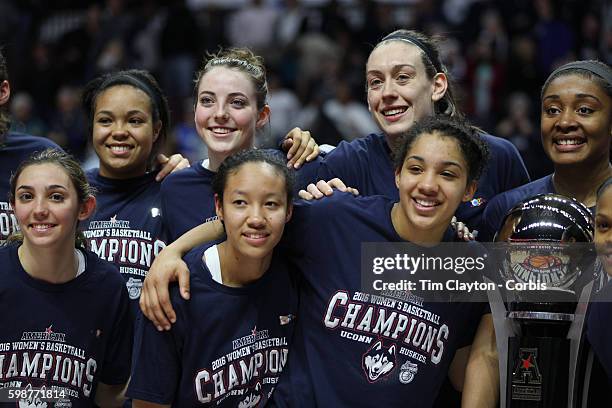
{"points": [[243, 60]]}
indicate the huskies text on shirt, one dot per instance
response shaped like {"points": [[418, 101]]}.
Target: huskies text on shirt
{"points": [[127, 227], [66, 337], [188, 200], [15, 148], [228, 346], [366, 164], [356, 349]]}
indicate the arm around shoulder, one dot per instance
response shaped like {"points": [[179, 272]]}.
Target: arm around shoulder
{"points": [[169, 267]]}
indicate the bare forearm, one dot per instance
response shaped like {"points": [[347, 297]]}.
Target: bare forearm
{"points": [[481, 387], [110, 396], [209, 231]]}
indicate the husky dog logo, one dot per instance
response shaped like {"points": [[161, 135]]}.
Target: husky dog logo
{"points": [[407, 372], [378, 361], [251, 400]]}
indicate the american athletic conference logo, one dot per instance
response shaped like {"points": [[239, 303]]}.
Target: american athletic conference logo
{"points": [[134, 287], [407, 372], [526, 376]]}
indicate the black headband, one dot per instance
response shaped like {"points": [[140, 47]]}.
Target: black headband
{"points": [[414, 41], [129, 79], [590, 66]]}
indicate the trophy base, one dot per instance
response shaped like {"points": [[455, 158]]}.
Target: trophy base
{"points": [[537, 372]]}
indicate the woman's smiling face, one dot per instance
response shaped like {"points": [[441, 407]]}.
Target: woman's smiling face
{"points": [[576, 121], [226, 115]]}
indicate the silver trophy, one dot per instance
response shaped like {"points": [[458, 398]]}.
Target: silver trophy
{"points": [[546, 270]]}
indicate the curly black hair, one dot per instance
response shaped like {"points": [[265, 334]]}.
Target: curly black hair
{"points": [[474, 148]]}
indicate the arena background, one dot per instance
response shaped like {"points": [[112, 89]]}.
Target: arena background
{"points": [[498, 52]]}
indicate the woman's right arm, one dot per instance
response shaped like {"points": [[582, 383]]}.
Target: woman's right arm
{"points": [[110, 396], [169, 267]]}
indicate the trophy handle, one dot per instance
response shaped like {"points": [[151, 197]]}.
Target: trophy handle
{"points": [[504, 329]]}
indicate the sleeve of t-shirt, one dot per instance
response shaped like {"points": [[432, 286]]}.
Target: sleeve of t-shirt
{"points": [[174, 219], [337, 163], [492, 218], [307, 227], [166, 212], [308, 174], [478, 306], [116, 368], [297, 231], [156, 368], [515, 172], [475, 312]]}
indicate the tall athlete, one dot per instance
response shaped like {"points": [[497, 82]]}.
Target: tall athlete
{"points": [[231, 340], [65, 313], [230, 107], [576, 127], [14, 147], [437, 168], [406, 82], [129, 122]]}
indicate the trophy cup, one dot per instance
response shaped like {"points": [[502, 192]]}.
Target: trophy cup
{"points": [[546, 253]]}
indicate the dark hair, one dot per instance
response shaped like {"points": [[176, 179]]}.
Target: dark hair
{"points": [[430, 56], [138, 79], [243, 60], [603, 187], [72, 169], [474, 148], [5, 122], [232, 164], [587, 69]]}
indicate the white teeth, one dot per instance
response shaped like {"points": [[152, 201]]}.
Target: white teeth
{"points": [[394, 111], [221, 130], [41, 227], [255, 236], [426, 203], [120, 149], [569, 142]]}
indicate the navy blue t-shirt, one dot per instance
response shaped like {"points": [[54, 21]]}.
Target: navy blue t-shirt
{"points": [[342, 332], [15, 148], [499, 206], [188, 200], [366, 164], [599, 330], [68, 336], [127, 227], [227, 347]]}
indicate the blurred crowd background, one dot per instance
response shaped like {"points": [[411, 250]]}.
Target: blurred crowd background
{"points": [[498, 53]]}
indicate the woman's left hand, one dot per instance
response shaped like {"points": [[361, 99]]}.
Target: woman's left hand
{"points": [[300, 147], [170, 164]]}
